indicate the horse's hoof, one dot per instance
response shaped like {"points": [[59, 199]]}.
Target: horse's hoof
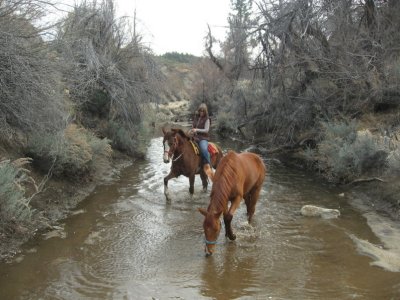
{"points": [[232, 236], [167, 196]]}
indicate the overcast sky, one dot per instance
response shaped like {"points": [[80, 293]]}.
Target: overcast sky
{"points": [[171, 25], [177, 25]]}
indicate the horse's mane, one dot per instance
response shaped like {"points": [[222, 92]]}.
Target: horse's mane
{"points": [[224, 179], [180, 132]]}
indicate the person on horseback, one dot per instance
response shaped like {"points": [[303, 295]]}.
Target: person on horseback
{"points": [[200, 128]]}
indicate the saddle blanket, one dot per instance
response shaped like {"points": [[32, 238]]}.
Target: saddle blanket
{"points": [[212, 148]]}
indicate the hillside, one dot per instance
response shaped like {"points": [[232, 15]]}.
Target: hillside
{"points": [[181, 77]]}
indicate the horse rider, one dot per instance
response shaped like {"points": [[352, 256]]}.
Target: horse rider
{"points": [[200, 128]]}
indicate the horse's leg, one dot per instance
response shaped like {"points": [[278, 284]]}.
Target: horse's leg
{"points": [[229, 216], [166, 191], [251, 200], [191, 184], [204, 180]]}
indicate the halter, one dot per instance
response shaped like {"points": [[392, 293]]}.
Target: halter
{"points": [[210, 242]]}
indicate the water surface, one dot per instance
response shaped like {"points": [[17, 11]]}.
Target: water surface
{"points": [[127, 242]]}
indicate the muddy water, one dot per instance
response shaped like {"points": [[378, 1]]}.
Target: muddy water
{"points": [[126, 242]]}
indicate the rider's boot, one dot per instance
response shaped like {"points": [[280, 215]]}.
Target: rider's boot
{"points": [[209, 171]]}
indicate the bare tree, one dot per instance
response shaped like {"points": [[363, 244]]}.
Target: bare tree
{"points": [[322, 59], [235, 49]]}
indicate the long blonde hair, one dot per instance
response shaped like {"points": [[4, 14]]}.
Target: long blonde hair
{"points": [[203, 107]]}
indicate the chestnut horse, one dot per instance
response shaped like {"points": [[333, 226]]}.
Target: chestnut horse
{"points": [[239, 176], [179, 148]]}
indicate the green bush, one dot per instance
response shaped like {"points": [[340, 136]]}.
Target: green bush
{"points": [[74, 153], [97, 105], [132, 142], [122, 138], [14, 206], [226, 124], [345, 154]]}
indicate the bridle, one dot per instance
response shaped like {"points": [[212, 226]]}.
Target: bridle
{"points": [[172, 149]]}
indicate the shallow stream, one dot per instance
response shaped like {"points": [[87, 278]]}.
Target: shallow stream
{"points": [[126, 242]]}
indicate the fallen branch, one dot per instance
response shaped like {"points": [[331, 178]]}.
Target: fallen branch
{"points": [[290, 147], [282, 148], [361, 180]]}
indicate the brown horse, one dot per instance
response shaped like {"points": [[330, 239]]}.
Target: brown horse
{"points": [[185, 161], [238, 176]]}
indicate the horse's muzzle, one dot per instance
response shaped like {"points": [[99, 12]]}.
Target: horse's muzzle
{"points": [[166, 157], [209, 250]]}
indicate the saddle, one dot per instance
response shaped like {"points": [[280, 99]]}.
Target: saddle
{"points": [[212, 148]]}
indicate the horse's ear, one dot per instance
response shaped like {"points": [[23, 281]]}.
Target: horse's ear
{"points": [[202, 211], [176, 130], [182, 133], [164, 130]]}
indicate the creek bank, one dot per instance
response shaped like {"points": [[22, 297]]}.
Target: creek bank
{"points": [[56, 202], [382, 196]]}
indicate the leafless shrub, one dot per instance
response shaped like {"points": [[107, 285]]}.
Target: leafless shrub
{"points": [[100, 54], [30, 93], [318, 60], [210, 87]]}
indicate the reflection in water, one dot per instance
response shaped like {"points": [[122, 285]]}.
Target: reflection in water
{"points": [[231, 278], [127, 242]]}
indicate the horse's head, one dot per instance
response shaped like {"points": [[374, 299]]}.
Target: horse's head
{"points": [[212, 227], [169, 143], [173, 139]]}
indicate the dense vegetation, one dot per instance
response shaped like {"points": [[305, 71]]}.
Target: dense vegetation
{"points": [[312, 74]]}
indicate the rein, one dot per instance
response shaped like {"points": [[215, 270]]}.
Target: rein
{"points": [[179, 156]]}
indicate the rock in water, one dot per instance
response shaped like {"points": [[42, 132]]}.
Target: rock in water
{"points": [[316, 211]]}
